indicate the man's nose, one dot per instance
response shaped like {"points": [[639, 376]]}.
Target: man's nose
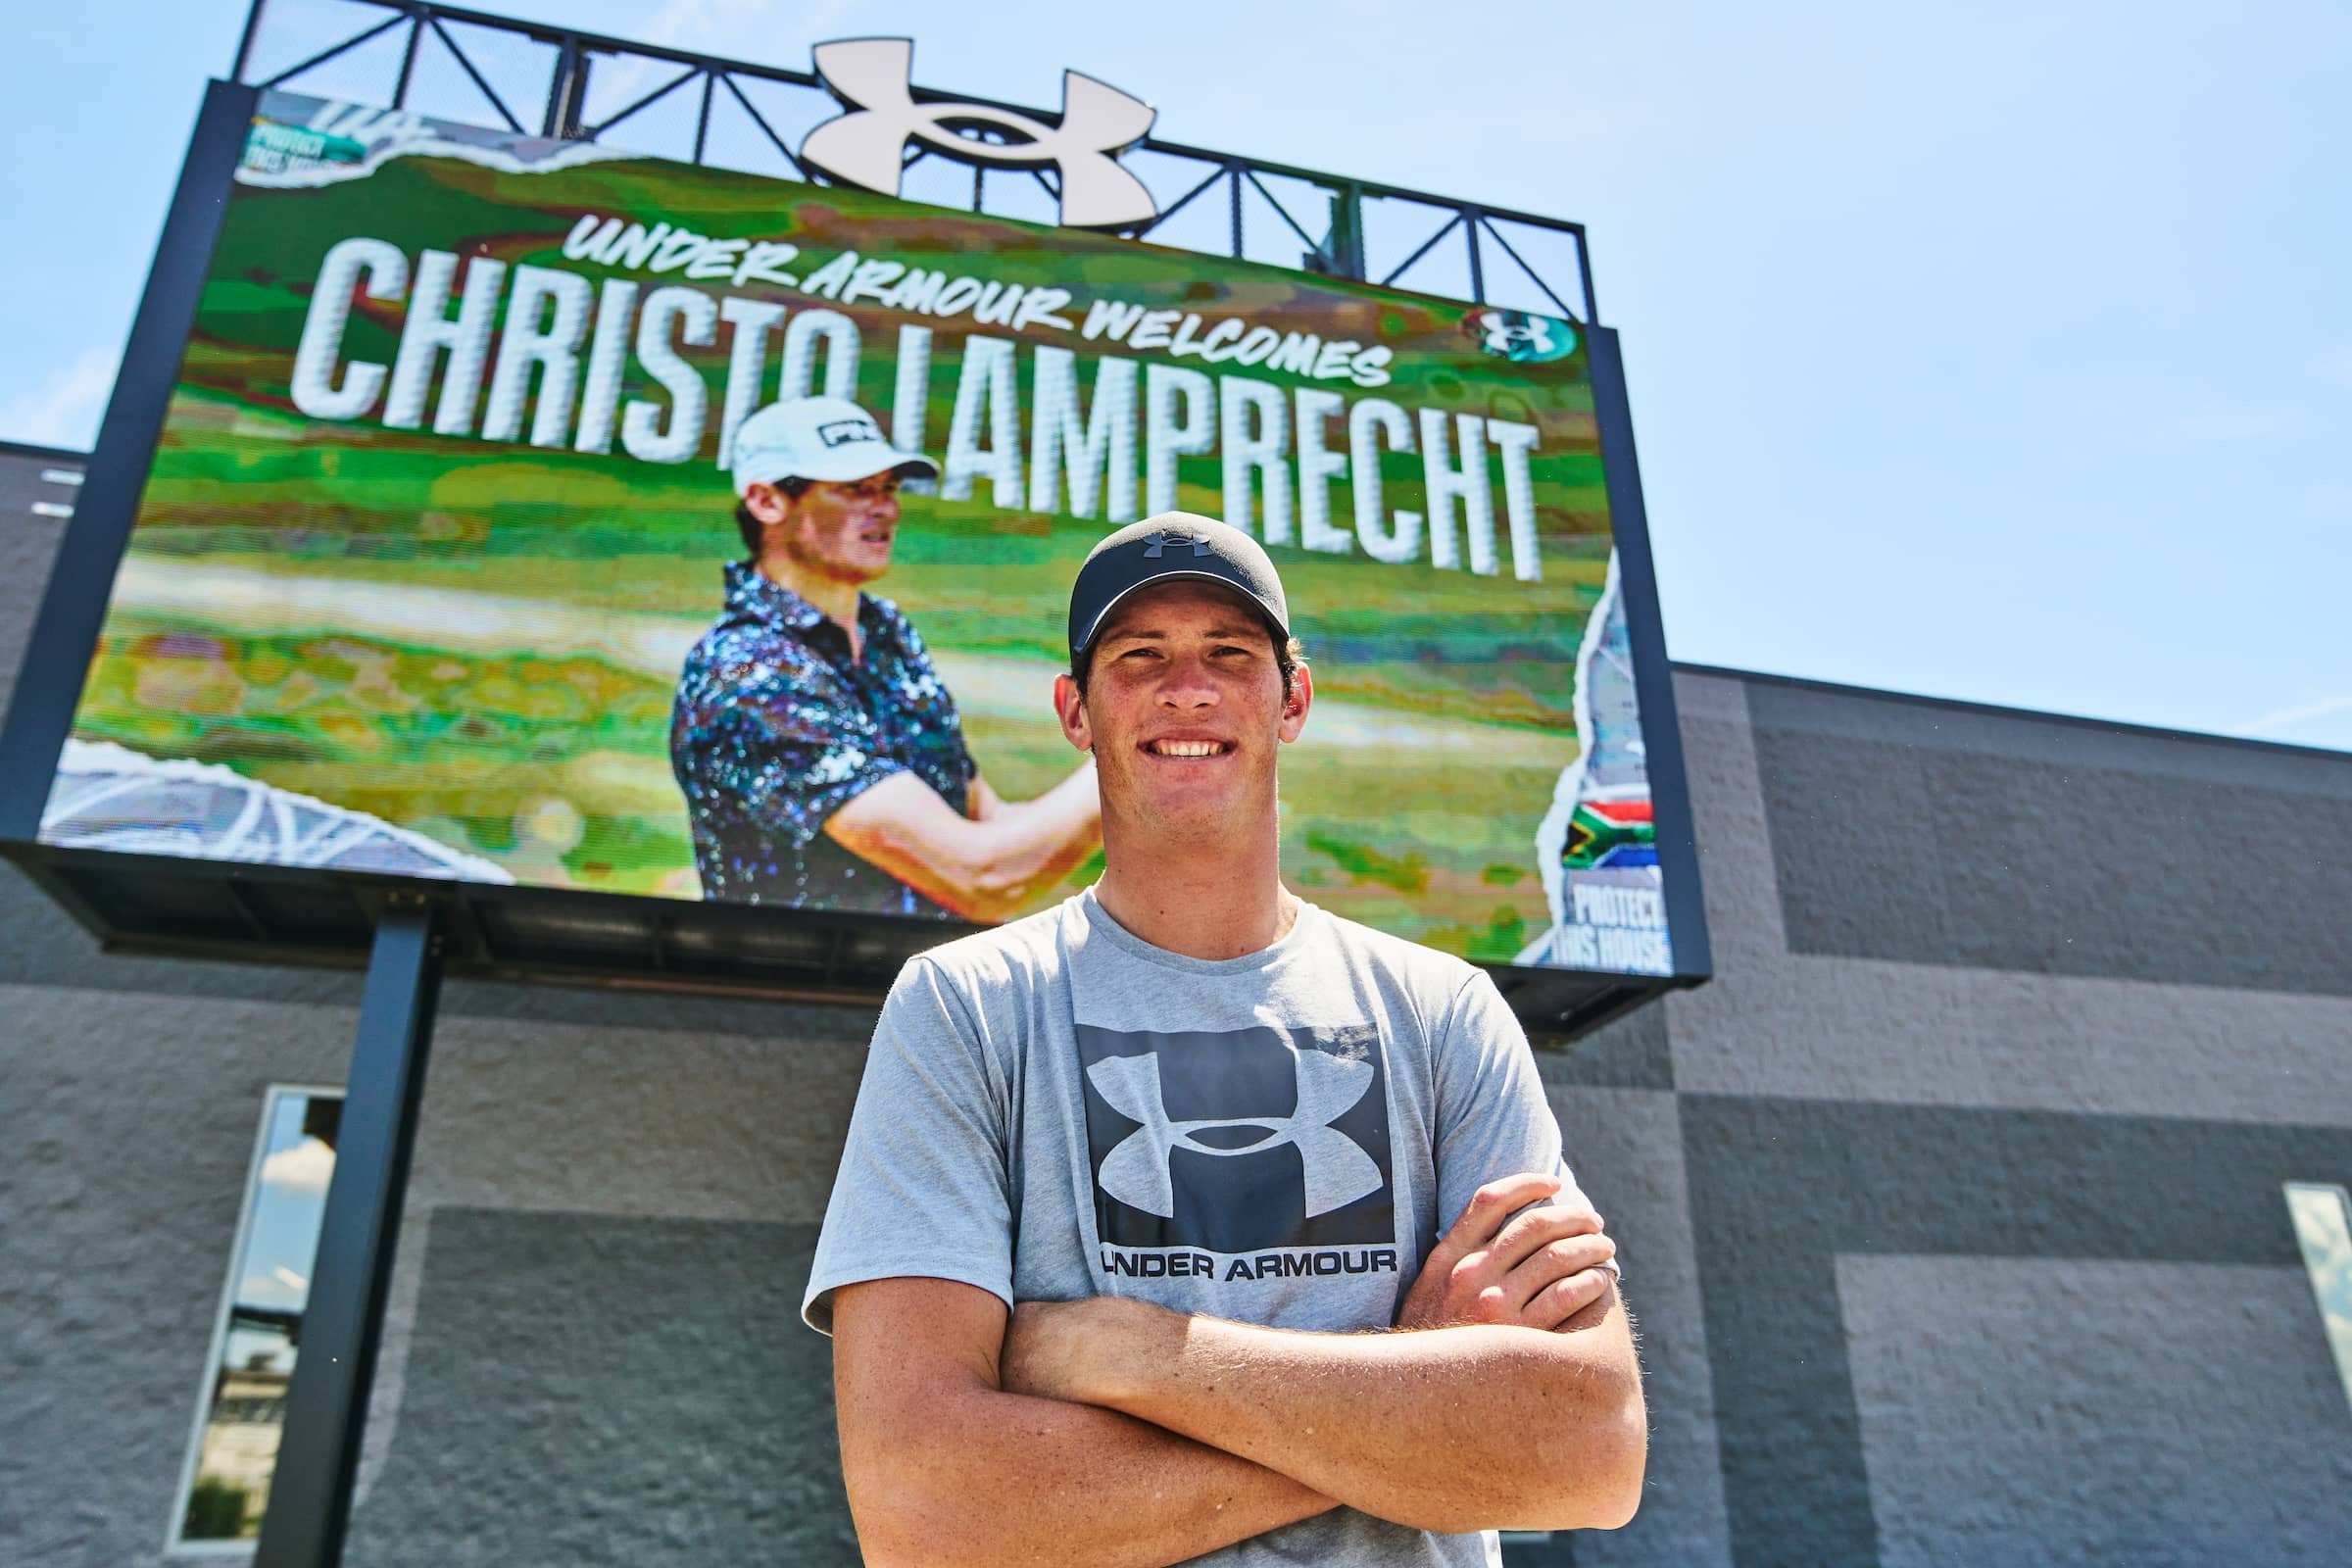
{"points": [[1186, 683]]}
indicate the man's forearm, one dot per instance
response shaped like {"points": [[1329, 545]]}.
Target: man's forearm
{"points": [[1453, 1429], [982, 1477], [985, 868]]}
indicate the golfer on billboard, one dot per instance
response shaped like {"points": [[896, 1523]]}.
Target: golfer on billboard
{"points": [[823, 759], [1184, 1220]]}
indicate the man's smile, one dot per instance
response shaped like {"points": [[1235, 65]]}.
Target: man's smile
{"points": [[1187, 749]]}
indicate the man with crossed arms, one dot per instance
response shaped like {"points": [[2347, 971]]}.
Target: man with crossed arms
{"points": [[1118, 1260]]}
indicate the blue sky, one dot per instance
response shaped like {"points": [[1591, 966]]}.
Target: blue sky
{"points": [[2001, 352]]}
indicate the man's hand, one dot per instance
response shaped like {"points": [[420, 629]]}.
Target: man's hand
{"points": [[984, 866], [1537, 1269]]}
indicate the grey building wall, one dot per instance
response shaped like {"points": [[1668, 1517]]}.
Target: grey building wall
{"points": [[1950, 1209], [2019, 1023]]}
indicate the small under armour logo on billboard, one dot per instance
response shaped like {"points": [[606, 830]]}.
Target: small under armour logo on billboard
{"points": [[867, 146], [1519, 335], [1337, 1169], [1156, 544]]}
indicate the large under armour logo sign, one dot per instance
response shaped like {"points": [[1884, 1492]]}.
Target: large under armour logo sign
{"points": [[867, 146], [1237, 1139], [1157, 543], [1136, 1172]]}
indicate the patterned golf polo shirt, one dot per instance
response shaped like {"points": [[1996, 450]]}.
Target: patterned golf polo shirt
{"points": [[777, 727]]}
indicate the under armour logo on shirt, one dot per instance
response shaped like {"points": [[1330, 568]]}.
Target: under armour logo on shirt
{"points": [[1136, 1172], [1156, 544], [1233, 1141], [867, 146]]}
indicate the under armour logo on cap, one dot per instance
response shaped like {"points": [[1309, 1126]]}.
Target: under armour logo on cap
{"points": [[1220, 553], [867, 146], [1158, 542], [1136, 1172]]}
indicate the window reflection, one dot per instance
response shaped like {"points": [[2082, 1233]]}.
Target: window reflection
{"points": [[236, 1446], [2323, 1218]]}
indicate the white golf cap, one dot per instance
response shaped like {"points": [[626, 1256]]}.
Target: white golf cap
{"points": [[829, 439]]}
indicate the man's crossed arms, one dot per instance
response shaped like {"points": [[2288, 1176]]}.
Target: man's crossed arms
{"points": [[1111, 1431]]}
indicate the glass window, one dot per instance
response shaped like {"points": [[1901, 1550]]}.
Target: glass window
{"points": [[226, 1481], [2323, 1218]]}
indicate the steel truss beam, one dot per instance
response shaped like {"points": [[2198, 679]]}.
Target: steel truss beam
{"points": [[1341, 252]]}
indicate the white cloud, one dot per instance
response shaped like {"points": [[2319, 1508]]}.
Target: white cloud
{"points": [[63, 411], [2300, 714], [305, 1168], [266, 1289]]}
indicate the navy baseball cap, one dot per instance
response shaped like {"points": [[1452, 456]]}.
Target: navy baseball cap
{"points": [[1172, 546]]}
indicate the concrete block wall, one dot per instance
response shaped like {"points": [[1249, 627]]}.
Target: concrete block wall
{"points": [[2019, 1025]]}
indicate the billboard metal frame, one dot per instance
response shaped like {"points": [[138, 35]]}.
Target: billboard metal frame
{"points": [[573, 57], [166, 904], [408, 932]]}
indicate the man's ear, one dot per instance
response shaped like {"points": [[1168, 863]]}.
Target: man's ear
{"points": [[1069, 705], [1301, 698], [767, 503]]}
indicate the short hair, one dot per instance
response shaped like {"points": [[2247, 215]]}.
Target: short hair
{"points": [[1289, 654], [750, 527]]}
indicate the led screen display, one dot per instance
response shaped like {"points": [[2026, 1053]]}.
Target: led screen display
{"points": [[510, 488]]}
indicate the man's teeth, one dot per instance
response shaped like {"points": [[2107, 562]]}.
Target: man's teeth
{"points": [[1188, 748]]}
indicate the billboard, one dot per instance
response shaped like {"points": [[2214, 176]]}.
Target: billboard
{"points": [[442, 568]]}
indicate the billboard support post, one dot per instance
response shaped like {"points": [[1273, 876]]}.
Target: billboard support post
{"points": [[342, 1324], [1348, 230], [569, 91]]}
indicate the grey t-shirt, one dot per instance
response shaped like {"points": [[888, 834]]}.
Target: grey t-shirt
{"points": [[1057, 1109]]}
